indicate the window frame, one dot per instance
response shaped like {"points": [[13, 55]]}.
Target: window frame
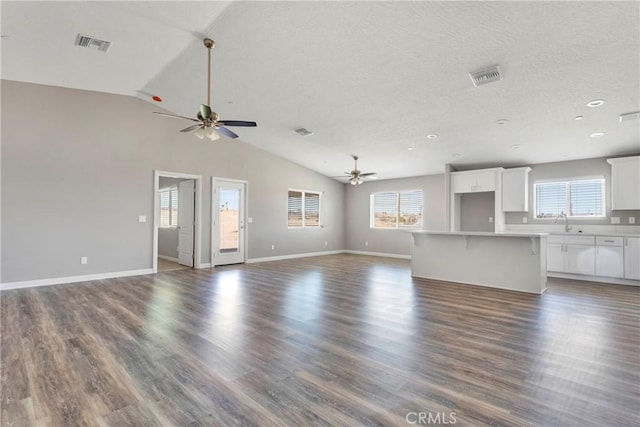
{"points": [[169, 190], [304, 211], [568, 182], [398, 226]]}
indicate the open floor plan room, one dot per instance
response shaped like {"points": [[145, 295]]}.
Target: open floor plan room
{"points": [[332, 340]]}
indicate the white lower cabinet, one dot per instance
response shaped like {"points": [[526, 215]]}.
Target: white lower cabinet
{"points": [[609, 256], [571, 254], [632, 258]]}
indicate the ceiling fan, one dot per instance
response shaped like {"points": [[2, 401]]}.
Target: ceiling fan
{"points": [[356, 177], [208, 121]]}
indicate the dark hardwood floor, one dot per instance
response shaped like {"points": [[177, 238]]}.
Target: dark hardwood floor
{"points": [[337, 340]]}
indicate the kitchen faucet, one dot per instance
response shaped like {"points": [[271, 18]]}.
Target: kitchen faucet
{"points": [[567, 227]]}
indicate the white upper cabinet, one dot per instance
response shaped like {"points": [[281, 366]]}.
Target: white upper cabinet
{"points": [[515, 189], [625, 183], [475, 181]]}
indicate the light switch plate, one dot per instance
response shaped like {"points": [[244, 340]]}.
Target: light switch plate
{"points": [[142, 218], [615, 220], [632, 220], [524, 220], [250, 220]]}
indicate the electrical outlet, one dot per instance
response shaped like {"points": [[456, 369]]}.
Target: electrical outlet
{"points": [[326, 243], [83, 260], [490, 220], [273, 247], [632, 220], [524, 220], [366, 243], [615, 220]]}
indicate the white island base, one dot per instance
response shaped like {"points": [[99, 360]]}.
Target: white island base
{"points": [[514, 261]]}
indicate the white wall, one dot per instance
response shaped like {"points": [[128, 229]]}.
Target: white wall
{"points": [[78, 169], [391, 241]]}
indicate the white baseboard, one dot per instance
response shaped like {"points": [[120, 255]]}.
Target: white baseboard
{"points": [[292, 256], [598, 279], [72, 279], [204, 265], [382, 254], [168, 258]]}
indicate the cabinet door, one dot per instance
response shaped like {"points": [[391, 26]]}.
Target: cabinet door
{"points": [[625, 175], [580, 259], [514, 191], [485, 181], [610, 261], [632, 258], [463, 182], [555, 257]]}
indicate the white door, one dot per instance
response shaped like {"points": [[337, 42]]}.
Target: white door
{"points": [[555, 257], [228, 222], [186, 222], [632, 258], [580, 259]]}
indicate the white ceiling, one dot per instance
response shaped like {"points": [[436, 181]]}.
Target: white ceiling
{"points": [[368, 78]]}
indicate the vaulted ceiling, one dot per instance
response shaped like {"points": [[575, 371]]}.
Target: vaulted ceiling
{"points": [[367, 78]]}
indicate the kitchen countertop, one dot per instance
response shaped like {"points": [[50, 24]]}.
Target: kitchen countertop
{"points": [[481, 233]]}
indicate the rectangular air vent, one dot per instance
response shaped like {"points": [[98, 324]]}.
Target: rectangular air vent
{"points": [[483, 77], [92, 43], [629, 116], [303, 132]]}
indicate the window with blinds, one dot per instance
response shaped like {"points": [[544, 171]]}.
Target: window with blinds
{"points": [[169, 207], [400, 209], [574, 198], [303, 209]]}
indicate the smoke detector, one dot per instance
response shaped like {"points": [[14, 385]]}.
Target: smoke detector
{"points": [[92, 43], [484, 77]]}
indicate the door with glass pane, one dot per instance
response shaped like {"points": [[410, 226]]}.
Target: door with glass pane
{"points": [[228, 222]]}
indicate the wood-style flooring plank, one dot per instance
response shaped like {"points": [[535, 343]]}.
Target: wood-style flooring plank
{"points": [[339, 340]]}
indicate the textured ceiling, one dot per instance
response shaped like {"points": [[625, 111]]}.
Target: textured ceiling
{"points": [[368, 78]]}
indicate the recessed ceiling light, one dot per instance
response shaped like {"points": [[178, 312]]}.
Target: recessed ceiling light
{"points": [[409, 148], [502, 122], [515, 146], [432, 136], [578, 118], [595, 103], [597, 135], [455, 155]]}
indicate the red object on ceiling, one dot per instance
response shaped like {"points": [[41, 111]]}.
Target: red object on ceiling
{"points": [[157, 98]]}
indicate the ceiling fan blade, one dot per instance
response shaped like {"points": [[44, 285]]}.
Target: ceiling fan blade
{"points": [[205, 111], [227, 132], [238, 123], [368, 174], [175, 116], [190, 128]]}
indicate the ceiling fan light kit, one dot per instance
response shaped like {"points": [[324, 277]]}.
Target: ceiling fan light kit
{"points": [[209, 123], [356, 177]]}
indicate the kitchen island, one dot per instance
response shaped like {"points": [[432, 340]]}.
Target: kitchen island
{"points": [[514, 261]]}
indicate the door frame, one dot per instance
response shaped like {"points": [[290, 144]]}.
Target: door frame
{"points": [[214, 215], [198, 214]]}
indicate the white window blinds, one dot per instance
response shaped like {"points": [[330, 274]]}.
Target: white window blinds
{"points": [[575, 198], [397, 209], [169, 207], [303, 209]]}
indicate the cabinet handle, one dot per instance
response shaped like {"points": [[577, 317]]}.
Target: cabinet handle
{"points": [[609, 241]]}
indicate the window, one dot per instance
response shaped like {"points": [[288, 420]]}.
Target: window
{"points": [[575, 198], [401, 209], [169, 207], [303, 209]]}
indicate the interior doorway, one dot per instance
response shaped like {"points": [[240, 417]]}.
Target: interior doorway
{"points": [[228, 233], [177, 221]]}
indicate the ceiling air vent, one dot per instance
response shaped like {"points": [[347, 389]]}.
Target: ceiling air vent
{"points": [[92, 43], [483, 77], [303, 132]]}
